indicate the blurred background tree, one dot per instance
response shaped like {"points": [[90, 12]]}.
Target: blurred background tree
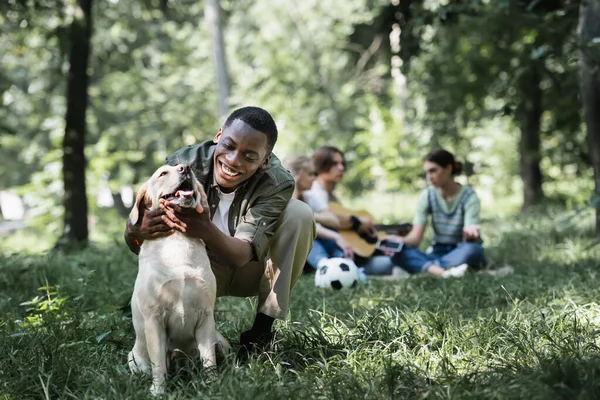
{"points": [[385, 80], [589, 31], [75, 223]]}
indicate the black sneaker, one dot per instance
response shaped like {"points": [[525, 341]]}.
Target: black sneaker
{"points": [[250, 343]]}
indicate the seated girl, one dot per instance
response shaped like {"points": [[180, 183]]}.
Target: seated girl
{"points": [[454, 211]]}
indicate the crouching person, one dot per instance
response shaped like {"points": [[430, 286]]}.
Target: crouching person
{"points": [[257, 237]]}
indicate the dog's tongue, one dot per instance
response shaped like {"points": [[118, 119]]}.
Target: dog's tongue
{"points": [[184, 193]]}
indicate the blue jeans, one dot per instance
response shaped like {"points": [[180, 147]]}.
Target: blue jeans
{"points": [[323, 248], [378, 265], [444, 255]]}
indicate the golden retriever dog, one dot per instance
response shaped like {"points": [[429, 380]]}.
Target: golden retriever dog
{"points": [[175, 289]]}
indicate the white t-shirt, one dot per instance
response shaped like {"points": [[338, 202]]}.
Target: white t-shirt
{"points": [[221, 215], [317, 198]]}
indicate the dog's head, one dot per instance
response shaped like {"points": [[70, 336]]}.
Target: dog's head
{"points": [[176, 184]]}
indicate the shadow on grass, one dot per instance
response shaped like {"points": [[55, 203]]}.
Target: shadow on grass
{"points": [[529, 335], [553, 378]]}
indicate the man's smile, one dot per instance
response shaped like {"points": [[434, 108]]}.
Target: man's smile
{"points": [[230, 172]]}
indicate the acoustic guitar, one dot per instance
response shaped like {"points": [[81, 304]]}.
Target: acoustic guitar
{"points": [[364, 247]]}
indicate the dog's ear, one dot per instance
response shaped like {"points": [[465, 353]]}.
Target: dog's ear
{"points": [[141, 197]]}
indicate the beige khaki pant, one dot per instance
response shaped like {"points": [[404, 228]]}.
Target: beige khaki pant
{"points": [[272, 279]]}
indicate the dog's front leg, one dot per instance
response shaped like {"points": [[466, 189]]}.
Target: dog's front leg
{"points": [[206, 339], [156, 340]]}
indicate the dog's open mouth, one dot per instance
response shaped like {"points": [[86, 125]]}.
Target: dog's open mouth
{"points": [[184, 191]]}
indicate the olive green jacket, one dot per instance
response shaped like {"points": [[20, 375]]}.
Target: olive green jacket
{"points": [[258, 202]]}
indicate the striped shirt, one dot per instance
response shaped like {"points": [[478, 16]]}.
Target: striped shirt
{"points": [[448, 217]]}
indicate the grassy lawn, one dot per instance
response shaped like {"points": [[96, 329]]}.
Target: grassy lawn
{"points": [[65, 331]]}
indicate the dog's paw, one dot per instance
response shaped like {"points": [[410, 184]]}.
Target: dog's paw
{"points": [[211, 375], [157, 390], [133, 366], [137, 364]]}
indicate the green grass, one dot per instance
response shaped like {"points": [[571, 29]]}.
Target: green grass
{"points": [[531, 335]]}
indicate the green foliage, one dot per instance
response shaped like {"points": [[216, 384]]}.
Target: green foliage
{"points": [[533, 334], [49, 305], [31, 90], [383, 81], [152, 87], [473, 59]]}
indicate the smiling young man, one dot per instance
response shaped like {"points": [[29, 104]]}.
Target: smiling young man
{"points": [[257, 237]]}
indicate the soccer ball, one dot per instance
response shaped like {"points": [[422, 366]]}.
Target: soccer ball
{"points": [[337, 273]]}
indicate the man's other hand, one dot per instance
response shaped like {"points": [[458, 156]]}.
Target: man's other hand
{"points": [[151, 225], [190, 221]]}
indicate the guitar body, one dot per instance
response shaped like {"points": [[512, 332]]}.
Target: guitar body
{"points": [[359, 245]]}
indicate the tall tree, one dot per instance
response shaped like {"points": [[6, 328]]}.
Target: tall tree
{"points": [[212, 14], [529, 116], [589, 72], [74, 164]]}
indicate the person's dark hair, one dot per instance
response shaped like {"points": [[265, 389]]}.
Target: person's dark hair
{"points": [[258, 119], [444, 158], [323, 158]]}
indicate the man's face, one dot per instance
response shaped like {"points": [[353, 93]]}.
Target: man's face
{"points": [[336, 171], [240, 152]]}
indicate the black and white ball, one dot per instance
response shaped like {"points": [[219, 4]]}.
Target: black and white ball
{"points": [[337, 273]]}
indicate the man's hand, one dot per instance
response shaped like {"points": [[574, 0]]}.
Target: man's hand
{"points": [[151, 225], [196, 223], [342, 244], [470, 233], [192, 222]]}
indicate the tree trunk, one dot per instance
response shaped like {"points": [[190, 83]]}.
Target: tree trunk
{"points": [[529, 116], [164, 7], [74, 164], [212, 14], [589, 74]]}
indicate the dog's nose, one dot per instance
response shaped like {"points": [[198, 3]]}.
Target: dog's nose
{"points": [[182, 169]]}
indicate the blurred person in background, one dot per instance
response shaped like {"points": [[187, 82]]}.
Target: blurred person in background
{"points": [[328, 243], [454, 211]]}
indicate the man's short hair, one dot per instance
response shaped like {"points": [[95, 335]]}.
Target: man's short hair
{"points": [[259, 119], [323, 158]]}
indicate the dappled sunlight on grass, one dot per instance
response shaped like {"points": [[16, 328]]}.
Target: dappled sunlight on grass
{"points": [[535, 333]]}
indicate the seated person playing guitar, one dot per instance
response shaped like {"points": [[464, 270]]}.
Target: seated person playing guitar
{"points": [[329, 164]]}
